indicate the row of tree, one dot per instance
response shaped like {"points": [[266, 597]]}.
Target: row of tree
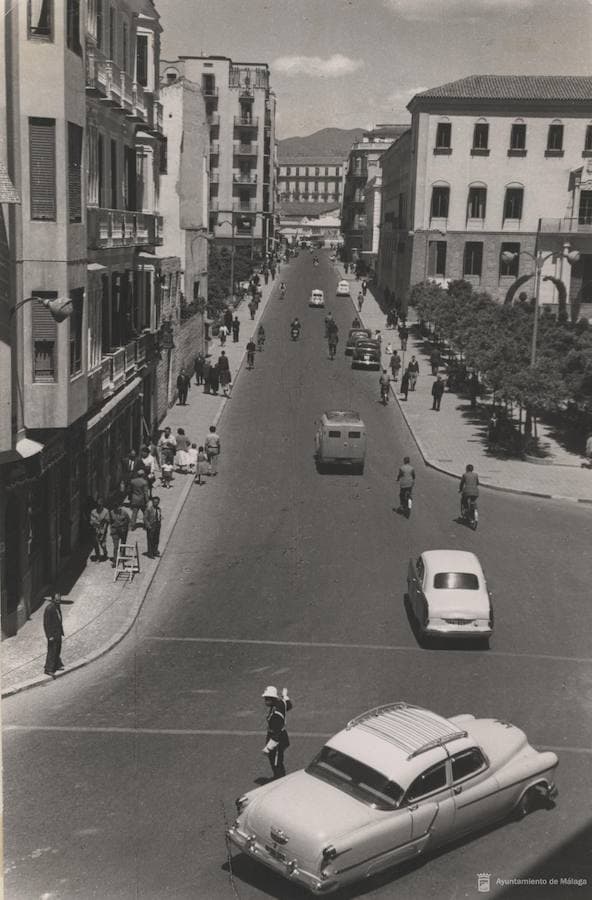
{"points": [[496, 341]]}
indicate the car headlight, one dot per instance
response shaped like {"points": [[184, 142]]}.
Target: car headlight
{"points": [[240, 803]]}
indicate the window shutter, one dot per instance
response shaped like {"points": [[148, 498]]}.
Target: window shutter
{"points": [[74, 173], [44, 326], [43, 169], [142, 59]]}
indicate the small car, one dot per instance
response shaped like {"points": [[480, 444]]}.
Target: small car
{"points": [[317, 298], [340, 440], [396, 783], [366, 355], [354, 335], [448, 595], [343, 289]]}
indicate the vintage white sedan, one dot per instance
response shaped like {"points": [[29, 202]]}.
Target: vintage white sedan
{"points": [[343, 289], [317, 298], [448, 595], [397, 782]]}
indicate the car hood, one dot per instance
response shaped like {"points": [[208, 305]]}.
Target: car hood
{"points": [[455, 604], [310, 812]]}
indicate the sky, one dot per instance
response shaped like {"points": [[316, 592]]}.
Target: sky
{"points": [[357, 63]]}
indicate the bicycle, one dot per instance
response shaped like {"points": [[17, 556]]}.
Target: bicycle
{"points": [[406, 501], [469, 512]]}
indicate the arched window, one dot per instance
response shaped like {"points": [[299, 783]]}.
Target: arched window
{"points": [[440, 202], [555, 138]]}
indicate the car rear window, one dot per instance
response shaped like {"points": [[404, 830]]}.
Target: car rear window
{"points": [[355, 778], [334, 434], [464, 581]]}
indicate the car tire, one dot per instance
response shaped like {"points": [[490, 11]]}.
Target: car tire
{"points": [[528, 803]]}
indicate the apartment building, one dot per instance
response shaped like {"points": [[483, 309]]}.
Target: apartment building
{"points": [[240, 112], [83, 139], [304, 179], [492, 163], [362, 166]]}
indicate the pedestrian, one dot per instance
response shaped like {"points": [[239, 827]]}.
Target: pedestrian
{"points": [[474, 389], [493, 430], [437, 391], [228, 319], [129, 464], [346, 267], [333, 339], [277, 740], [251, 350], [405, 384], [435, 361], [252, 306], [413, 369], [364, 287], [54, 632], [182, 457], [266, 275], [183, 383], [147, 463], [223, 334], [167, 446], [214, 379], [395, 365], [139, 496], [198, 365], [235, 329], [99, 522], [272, 270], [203, 466], [192, 459], [212, 449], [360, 301], [389, 349], [403, 335], [118, 528], [207, 370], [152, 522]]}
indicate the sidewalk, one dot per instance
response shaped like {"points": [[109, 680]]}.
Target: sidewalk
{"points": [[457, 435], [104, 611]]}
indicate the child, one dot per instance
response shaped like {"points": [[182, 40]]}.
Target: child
{"points": [[203, 466], [192, 458], [166, 474]]}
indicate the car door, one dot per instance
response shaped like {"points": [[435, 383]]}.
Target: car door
{"points": [[477, 797], [415, 581], [429, 800]]}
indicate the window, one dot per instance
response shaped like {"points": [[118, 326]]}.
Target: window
{"points": [[317, 170], [354, 434], [518, 136], [458, 581], [113, 179], [437, 258], [433, 779], [513, 203], [338, 171], [163, 158], [467, 763], [555, 138], [74, 173], [585, 210], [40, 19], [73, 26], [355, 778], [112, 30], [288, 170], [481, 136], [420, 568], [77, 297], [440, 202], [473, 259], [588, 139], [142, 59], [326, 170], [43, 169], [125, 47], [477, 203], [44, 336], [335, 434], [512, 266], [443, 135], [100, 24]]}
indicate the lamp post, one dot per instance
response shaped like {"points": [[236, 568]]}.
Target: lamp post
{"points": [[61, 308], [539, 260]]}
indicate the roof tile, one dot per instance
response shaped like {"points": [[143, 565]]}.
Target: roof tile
{"points": [[514, 87]]}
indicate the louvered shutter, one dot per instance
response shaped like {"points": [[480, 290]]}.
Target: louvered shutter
{"points": [[74, 172], [43, 169], [44, 333]]}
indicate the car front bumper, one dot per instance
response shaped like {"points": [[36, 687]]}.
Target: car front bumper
{"points": [[365, 364]]}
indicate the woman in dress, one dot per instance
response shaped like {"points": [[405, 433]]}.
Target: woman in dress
{"points": [[183, 444]]}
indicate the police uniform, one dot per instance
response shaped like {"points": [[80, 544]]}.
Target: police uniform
{"points": [[277, 735]]}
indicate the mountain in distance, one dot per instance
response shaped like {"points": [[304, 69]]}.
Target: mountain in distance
{"points": [[326, 142]]}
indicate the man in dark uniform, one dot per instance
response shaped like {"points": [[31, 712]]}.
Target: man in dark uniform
{"points": [[277, 736], [54, 632]]}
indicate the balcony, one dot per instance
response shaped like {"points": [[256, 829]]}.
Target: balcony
{"points": [[139, 110], [106, 376], [210, 92], [96, 71], [214, 148], [130, 358], [108, 228], [244, 206], [117, 361], [576, 225], [246, 121], [246, 92], [246, 178], [213, 119], [240, 149], [157, 124]]}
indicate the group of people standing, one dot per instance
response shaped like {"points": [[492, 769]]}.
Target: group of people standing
{"points": [[213, 376]]}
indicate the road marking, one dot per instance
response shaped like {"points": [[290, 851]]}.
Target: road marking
{"points": [[387, 647]]}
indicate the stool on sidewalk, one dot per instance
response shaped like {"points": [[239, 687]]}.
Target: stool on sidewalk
{"points": [[127, 563]]}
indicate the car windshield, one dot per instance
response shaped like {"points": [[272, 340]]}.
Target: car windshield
{"points": [[355, 778], [464, 581]]}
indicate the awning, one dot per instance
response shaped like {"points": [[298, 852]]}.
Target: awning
{"points": [[112, 409], [27, 447]]}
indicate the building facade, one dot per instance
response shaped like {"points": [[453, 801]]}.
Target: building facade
{"points": [[240, 112], [491, 165], [83, 150], [372, 216], [304, 179], [315, 222], [362, 166]]}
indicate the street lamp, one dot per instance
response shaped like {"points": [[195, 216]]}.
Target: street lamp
{"points": [[61, 308], [572, 256]]}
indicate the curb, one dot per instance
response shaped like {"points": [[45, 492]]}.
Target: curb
{"points": [[492, 487], [129, 624]]}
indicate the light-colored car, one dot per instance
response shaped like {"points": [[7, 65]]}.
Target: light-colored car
{"points": [[343, 289], [448, 595], [317, 298], [396, 783], [340, 440]]}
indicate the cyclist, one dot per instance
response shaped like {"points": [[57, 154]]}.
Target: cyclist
{"points": [[330, 324], [469, 490], [332, 340], [406, 479], [360, 301], [385, 386], [295, 327], [251, 349], [260, 337]]}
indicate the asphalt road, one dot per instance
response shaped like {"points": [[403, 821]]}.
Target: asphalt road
{"points": [[119, 779]]}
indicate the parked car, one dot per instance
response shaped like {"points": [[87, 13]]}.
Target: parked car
{"points": [[448, 595], [340, 440], [396, 783], [343, 289], [366, 355], [354, 335], [317, 298]]}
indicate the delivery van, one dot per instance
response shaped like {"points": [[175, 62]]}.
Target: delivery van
{"points": [[340, 440]]}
